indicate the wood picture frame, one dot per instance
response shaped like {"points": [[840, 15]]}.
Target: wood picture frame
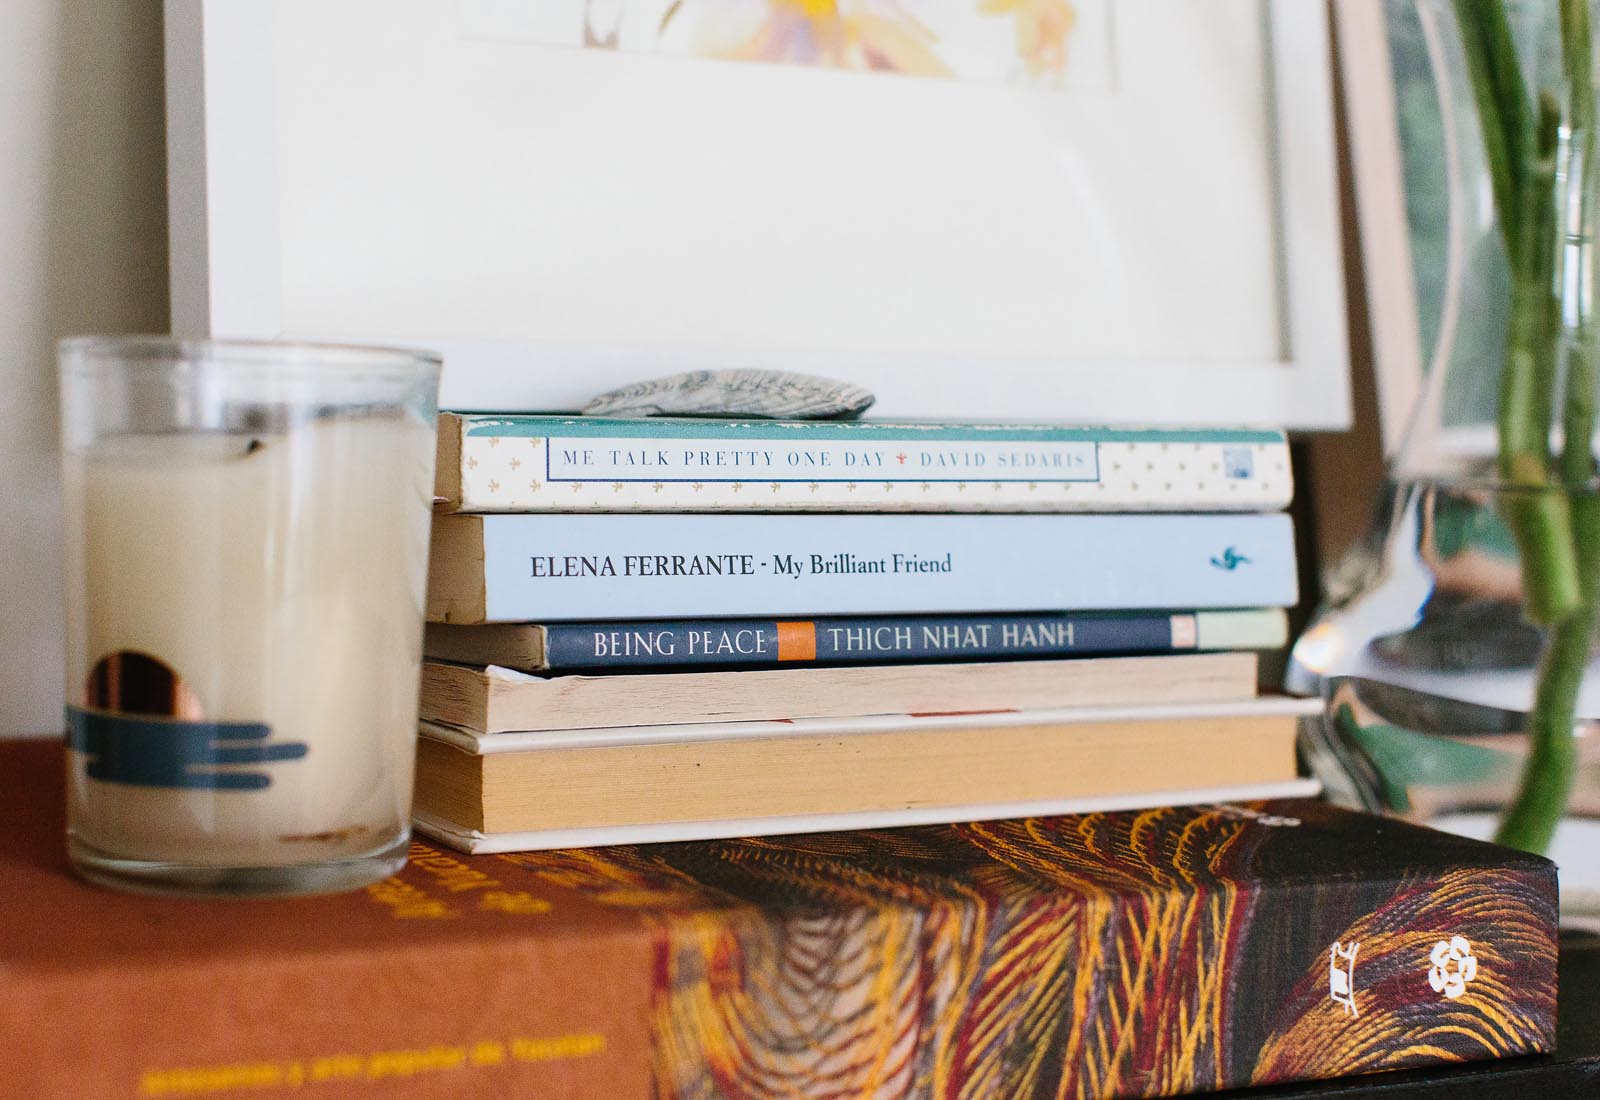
{"points": [[411, 179], [1376, 163]]}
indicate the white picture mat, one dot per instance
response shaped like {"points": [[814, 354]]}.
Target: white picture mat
{"points": [[558, 220]]}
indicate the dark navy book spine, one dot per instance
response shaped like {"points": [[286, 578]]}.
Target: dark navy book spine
{"points": [[848, 640]]}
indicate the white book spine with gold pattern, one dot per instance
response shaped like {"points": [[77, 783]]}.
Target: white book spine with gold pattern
{"points": [[499, 463]]}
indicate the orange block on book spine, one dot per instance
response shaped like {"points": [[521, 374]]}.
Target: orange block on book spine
{"points": [[797, 641]]}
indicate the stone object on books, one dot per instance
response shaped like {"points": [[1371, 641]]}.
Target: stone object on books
{"points": [[770, 394]]}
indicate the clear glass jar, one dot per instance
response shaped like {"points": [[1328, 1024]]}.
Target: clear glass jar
{"points": [[246, 537]]}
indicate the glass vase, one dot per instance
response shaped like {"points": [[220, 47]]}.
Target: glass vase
{"points": [[1427, 660], [1430, 646]]}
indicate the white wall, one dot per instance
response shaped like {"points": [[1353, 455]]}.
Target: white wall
{"points": [[82, 249]]}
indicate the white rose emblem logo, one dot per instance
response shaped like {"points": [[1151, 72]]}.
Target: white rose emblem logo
{"points": [[1453, 967]]}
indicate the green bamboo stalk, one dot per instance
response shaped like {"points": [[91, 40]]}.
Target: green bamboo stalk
{"points": [[1545, 785], [1577, 51], [1542, 221], [1557, 533], [1578, 428], [1539, 519], [1548, 773], [1578, 406], [1576, 468], [1502, 102]]}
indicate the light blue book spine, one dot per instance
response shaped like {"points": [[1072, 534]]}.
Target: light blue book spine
{"points": [[550, 568]]}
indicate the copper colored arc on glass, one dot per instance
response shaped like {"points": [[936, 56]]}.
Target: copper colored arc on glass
{"points": [[129, 682]]}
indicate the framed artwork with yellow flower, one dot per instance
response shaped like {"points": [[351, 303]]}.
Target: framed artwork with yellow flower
{"points": [[1091, 210]]}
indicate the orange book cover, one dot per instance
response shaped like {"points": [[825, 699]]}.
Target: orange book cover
{"points": [[452, 979], [1136, 954]]}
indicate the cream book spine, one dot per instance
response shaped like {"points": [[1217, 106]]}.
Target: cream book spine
{"points": [[499, 463], [578, 788], [500, 700]]}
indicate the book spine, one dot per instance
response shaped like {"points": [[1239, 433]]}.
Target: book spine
{"points": [[1444, 965], [530, 464], [903, 638], [537, 568]]}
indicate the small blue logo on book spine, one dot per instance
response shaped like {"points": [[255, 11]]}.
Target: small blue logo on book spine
{"points": [[1230, 559]]}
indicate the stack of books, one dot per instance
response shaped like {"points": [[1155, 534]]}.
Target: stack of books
{"points": [[673, 629]]}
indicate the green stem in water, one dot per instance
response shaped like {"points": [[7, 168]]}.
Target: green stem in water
{"points": [[1551, 768], [1540, 519], [1547, 774], [1578, 424], [1536, 809], [1557, 534]]}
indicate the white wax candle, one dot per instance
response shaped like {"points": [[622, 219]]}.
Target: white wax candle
{"points": [[281, 578]]}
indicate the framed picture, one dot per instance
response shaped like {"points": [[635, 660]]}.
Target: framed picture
{"points": [[1089, 210]]}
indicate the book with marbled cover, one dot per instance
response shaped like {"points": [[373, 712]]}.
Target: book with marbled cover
{"points": [[1137, 954]]}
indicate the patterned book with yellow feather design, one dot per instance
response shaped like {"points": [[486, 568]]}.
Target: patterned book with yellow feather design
{"points": [[1136, 954], [1119, 955]]}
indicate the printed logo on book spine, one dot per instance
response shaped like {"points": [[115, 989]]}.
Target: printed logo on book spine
{"points": [[1230, 559], [1342, 976], [142, 725], [1453, 966]]}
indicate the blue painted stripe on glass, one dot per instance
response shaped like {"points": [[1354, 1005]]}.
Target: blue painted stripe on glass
{"points": [[169, 752]]}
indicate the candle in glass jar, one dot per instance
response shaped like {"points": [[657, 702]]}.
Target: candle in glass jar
{"points": [[265, 590]]}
